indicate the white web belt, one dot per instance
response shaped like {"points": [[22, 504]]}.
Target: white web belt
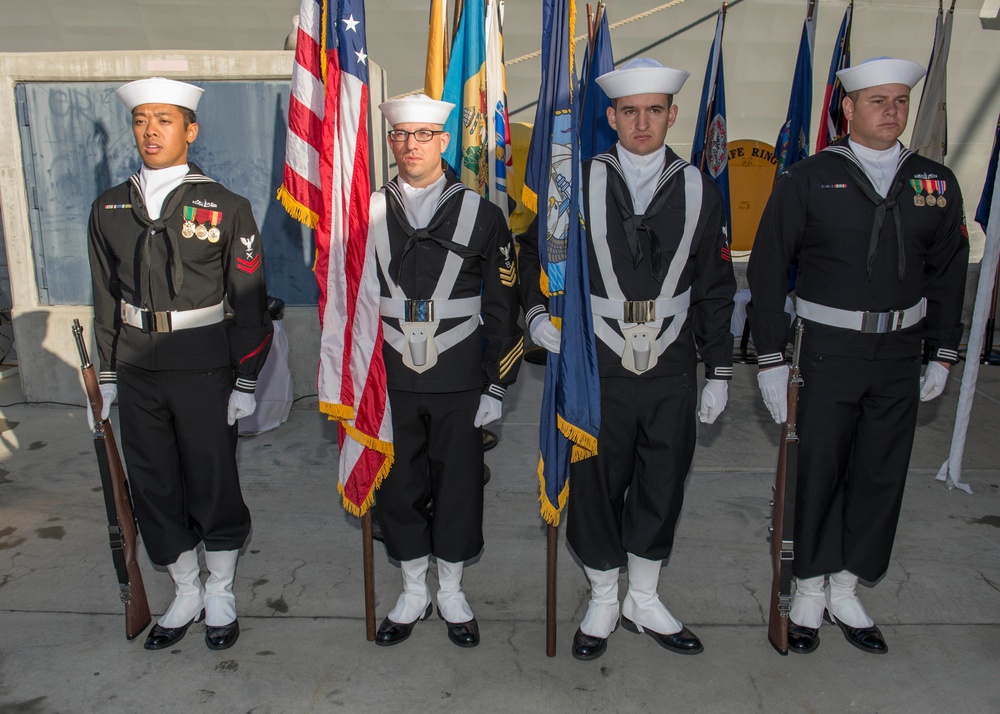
{"points": [[860, 320]]}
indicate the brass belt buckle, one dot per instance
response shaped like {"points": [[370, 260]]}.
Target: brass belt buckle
{"points": [[639, 311], [419, 311], [899, 320]]}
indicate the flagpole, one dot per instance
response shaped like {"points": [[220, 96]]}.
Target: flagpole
{"points": [[987, 356], [711, 100], [812, 7], [550, 590], [368, 557], [458, 18], [590, 28]]}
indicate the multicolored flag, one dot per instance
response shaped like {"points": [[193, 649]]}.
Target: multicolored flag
{"points": [[710, 149], [793, 139], [930, 128], [351, 384], [833, 123], [983, 210], [465, 87], [437, 49], [499, 150], [571, 405], [596, 135]]}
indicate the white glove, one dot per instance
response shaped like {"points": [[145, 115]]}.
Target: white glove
{"points": [[544, 333], [773, 383], [714, 397], [109, 393], [933, 381], [241, 404], [490, 410]]}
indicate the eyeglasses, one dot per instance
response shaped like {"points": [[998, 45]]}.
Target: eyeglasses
{"points": [[399, 136]]}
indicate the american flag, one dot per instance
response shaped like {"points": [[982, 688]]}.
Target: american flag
{"points": [[351, 385]]}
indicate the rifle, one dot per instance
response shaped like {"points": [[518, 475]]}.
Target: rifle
{"points": [[117, 501], [783, 517]]}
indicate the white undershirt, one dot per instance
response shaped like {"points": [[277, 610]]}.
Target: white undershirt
{"points": [[156, 185], [420, 203], [641, 174], [880, 165]]}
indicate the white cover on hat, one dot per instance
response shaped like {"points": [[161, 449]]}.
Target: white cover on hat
{"points": [[881, 70], [159, 90], [416, 109], [642, 76]]}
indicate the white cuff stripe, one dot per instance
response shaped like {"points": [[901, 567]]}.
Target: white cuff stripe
{"points": [[773, 358]]}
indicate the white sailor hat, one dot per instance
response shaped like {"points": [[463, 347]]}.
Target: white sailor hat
{"points": [[158, 90], [416, 109], [881, 70], [642, 76]]}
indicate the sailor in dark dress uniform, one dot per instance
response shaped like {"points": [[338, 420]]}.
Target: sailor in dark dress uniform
{"points": [[452, 347], [661, 284], [879, 236], [167, 248]]}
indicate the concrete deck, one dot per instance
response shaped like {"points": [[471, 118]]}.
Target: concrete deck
{"points": [[299, 590]]}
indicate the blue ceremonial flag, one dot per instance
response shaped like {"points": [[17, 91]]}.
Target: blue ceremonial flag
{"points": [[465, 87], [983, 212], [596, 135], [571, 404], [793, 139], [710, 150], [833, 123]]}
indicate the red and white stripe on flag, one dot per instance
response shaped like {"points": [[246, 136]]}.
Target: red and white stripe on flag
{"points": [[351, 379], [300, 191]]}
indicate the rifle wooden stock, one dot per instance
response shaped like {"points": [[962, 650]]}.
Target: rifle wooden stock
{"points": [[783, 516], [117, 501]]}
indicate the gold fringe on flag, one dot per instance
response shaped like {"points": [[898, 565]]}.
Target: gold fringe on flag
{"points": [[550, 512], [296, 210], [338, 412], [352, 507], [582, 441]]}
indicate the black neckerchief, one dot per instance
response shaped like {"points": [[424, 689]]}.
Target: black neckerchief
{"points": [[636, 223], [175, 266], [415, 235], [883, 204]]}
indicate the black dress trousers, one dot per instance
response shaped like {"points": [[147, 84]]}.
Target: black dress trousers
{"points": [[856, 422], [439, 457], [628, 497], [181, 457]]}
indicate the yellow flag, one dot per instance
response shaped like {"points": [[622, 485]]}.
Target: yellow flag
{"points": [[437, 50]]}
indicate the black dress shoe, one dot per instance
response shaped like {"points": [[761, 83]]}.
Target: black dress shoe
{"points": [[222, 638], [162, 637], [586, 647], [463, 634], [802, 640], [868, 639], [683, 642], [392, 633]]}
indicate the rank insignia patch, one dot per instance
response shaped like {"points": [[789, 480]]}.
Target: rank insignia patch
{"points": [[508, 271], [251, 261]]}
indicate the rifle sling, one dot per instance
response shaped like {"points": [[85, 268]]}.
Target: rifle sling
{"points": [[788, 513], [114, 529]]}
